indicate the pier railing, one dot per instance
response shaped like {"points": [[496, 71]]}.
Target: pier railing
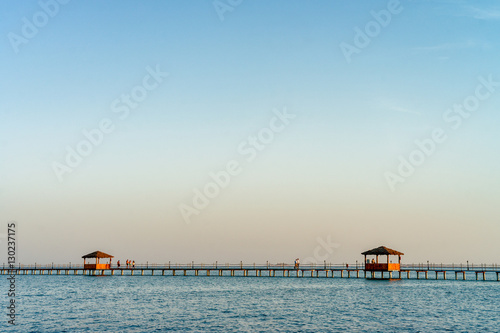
{"points": [[451, 267], [264, 266]]}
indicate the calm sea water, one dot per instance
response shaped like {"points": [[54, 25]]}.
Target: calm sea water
{"points": [[250, 304]]}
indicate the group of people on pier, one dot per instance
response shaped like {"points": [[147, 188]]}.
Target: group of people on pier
{"points": [[129, 263]]}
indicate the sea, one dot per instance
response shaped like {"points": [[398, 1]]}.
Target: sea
{"points": [[60, 303]]}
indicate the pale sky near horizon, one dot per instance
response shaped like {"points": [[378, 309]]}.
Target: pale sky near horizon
{"points": [[234, 72]]}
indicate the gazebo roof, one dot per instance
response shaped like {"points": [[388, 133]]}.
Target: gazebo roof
{"points": [[382, 250], [97, 254]]}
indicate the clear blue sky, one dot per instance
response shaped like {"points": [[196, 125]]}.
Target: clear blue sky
{"points": [[324, 174]]}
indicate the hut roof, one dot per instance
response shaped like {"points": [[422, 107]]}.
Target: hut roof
{"points": [[382, 250], [97, 254]]}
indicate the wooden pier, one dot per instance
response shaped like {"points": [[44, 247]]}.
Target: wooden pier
{"points": [[410, 271]]}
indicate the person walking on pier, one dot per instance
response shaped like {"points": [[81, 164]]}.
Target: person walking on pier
{"points": [[127, 263], [133, 264], [297, 263], [118, 263]]}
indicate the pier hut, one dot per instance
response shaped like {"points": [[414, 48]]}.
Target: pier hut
{"points": [[97, 255], [377, 266]]}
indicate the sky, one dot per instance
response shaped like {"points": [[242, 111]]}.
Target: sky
{"points": [[254, 131]]}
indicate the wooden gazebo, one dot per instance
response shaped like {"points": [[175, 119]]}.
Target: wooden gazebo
{"points": [[376, 266], [97, 265]]}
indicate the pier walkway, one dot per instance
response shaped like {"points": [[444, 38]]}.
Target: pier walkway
{"points": [[410, 271]]}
